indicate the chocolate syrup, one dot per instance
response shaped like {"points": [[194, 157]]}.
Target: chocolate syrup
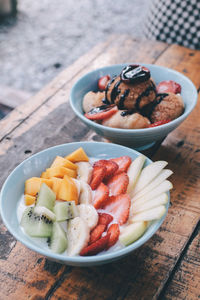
{"points": [[107, 88], [127, 112], [115, 91], [99, 109], [122, 99], [145, 94], [134, 74]]}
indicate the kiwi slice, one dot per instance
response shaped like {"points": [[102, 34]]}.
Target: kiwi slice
{"points": [[46, 197], [36, 225], [58, 241], [41, 210], [65, 211]]}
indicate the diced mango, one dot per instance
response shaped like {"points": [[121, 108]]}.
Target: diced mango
{"points": [[44, 175], [68, 190], [56, 185], [29, 200], [33, 184], [77, 155], [62, 162], [60, 172]]}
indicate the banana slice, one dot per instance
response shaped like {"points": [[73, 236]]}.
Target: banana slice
{"points": [[85, 196], [84, 171], [89, 214], [78, 185], [78, 235]]}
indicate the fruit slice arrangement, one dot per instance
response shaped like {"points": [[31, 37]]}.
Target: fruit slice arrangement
{"points": [[85, 208]]}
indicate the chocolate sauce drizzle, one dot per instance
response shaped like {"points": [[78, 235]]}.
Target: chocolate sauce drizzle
{"points": [[107, 88], [98, 109], [145, 94], [115, 91], [122, 99]]}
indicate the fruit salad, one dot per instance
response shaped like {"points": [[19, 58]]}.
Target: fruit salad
{"points": [[131, 100], [85, 206]]}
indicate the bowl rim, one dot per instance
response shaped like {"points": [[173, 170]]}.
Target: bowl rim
{"points": [[77, 260], [139, 130]]}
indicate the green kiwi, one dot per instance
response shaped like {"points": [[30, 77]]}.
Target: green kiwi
{"points": [[58, 241], [36, 225], [46, 197], [65, 211]]}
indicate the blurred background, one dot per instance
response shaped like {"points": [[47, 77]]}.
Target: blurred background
{"points": [[44, 37]]}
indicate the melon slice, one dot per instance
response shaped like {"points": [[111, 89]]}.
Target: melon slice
{"points": [[77, 155]]}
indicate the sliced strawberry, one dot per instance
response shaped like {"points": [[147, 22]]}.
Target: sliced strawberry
{"points": [[119, 207], [123, 163], [101, 195], [111, 167], [105, 219], [96, 233], [114, 232], [118, 184], [101, 112], [96, 247], [102, 82], [159, 123], [168, 86], [97, 176]]}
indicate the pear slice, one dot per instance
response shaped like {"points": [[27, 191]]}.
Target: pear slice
{"points": [[149, 215], [148, 174], [134, 171], [132, 232], [164, 187], [164, 174], [160, 200]]}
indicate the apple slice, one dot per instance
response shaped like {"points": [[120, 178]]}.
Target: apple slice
{"points": [[148, 174], [149, 215], [164, 187], [164, 174], [132, 232], [160, 200], [134, 171]]}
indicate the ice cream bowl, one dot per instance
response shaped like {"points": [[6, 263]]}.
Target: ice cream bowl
{"points": [[13, 190], [139, 139]]}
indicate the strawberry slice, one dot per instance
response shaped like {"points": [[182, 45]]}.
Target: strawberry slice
{"points": [[123, 163], [97, 176], [111, 167], [119, 207], [105, 219], [168, 86], [101, 195], [114, 232], [96, 233], [102, 82], [158, 123], [118, 184], [101, 112], [96, 247]]}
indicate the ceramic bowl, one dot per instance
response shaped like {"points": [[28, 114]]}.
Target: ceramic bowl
{"points": [[139, 139], [13, 189]]}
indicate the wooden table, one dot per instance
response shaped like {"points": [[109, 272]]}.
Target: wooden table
{"points": [[168, 265]]}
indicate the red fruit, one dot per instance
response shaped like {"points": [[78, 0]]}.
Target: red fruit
{"points": [[96, 247], [97, 176], [102, 82], [101, 112], [105, 219], [118, 184], [101, 195], [114, 232], [96, 233], [119, 207], [123, 163], [168, 86], [159, 123], [111, 167]]}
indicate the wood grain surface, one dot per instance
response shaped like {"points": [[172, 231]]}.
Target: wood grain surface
{"points": [[167, 266]]}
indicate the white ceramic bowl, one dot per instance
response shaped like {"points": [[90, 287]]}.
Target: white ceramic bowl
{"points": [[136, 138]]}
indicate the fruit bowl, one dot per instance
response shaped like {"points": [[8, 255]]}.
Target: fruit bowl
{"points": [[139, 139], [13, 189]]}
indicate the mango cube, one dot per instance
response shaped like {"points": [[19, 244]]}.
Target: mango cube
{"points": [[56, 182], [29, 200], [62, 162], [60, 172], [33, 184], [68, 190], [77, 155]]}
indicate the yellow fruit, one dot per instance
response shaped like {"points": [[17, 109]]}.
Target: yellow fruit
{"points": [[29, 200], [77, 155], [68, 190], [60, 172], [56, 185], [33, 184], [62, 162], [44, 175]]}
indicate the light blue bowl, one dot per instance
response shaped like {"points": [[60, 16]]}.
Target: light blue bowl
{"points": [[136, 138], [13, 189]]}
